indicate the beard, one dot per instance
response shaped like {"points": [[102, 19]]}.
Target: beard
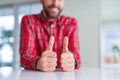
{"points": [[49, 14]]}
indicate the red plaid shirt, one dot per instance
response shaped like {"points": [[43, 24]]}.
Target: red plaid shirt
{"points": [[35, 33]]}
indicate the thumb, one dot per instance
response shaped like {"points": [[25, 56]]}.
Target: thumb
{"points": [[65, 45], [51, 43]]}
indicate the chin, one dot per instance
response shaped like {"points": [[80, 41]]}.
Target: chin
{"points": [[52, 16]]}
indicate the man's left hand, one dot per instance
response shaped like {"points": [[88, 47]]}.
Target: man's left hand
{"points": [[67, 58]]}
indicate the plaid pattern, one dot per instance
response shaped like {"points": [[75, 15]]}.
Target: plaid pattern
{"points": [[36, 30]]}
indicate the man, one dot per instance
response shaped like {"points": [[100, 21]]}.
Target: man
{"points": [[49, 40]]}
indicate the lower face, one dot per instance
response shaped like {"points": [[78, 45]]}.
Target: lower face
{"points": [[51, 10]]}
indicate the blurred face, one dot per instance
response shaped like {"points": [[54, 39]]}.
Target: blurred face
{"points": [[52, 8]]}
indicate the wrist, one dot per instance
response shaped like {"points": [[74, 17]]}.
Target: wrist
{"points": [[37, 64]]}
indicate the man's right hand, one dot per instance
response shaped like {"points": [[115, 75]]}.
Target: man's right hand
{"points": [[48, 60]]}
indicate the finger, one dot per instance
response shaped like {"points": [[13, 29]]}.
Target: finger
{"points": [[50, 65], [66, 61], [68, 69], [49, 69], [51, 43], [65, 55], [52, 60], [65, 44], [52, 55], [67, 65]]}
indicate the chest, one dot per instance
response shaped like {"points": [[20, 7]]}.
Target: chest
{"points": [[43, 33]]}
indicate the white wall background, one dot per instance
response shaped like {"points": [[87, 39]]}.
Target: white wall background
{"points": [[87, 14], [110, 10]]}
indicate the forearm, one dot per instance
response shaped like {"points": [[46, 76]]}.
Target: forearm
{"points": [[28, 46], [28, 62]]}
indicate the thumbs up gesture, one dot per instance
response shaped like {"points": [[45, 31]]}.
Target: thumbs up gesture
{"points": [[48, 60], [67, 58]]}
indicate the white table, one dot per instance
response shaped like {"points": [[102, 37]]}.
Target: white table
{"points": [[7, 73]]}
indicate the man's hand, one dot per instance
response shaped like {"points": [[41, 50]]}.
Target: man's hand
{"points": [[67, 59], [48, 60]]}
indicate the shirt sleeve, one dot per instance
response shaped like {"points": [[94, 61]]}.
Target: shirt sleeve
{"points": [[74, 45], [28, 49]]}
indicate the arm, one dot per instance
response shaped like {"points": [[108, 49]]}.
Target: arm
{"points": [[70, 56], [28, 45], [74, 45]]}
